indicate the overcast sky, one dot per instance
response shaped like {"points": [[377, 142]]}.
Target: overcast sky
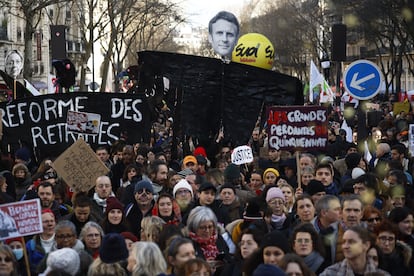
{"points": [[200, 12]]}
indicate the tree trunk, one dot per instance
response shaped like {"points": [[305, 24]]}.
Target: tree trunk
{"points": [[28, 49]]}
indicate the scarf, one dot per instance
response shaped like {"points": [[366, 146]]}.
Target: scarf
{"points": [[174, 218], [314, 260], [278, 221], [208, 246], [100, 201]]}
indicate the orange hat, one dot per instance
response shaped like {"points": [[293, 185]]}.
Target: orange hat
{"points": [[190, 158]]}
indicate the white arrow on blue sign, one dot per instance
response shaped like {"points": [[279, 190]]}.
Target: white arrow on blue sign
{"points": [[362, 79]]}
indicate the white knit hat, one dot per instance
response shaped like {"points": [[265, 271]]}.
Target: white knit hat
{"points": [[357, 172], [183, 184], [64, 259]]}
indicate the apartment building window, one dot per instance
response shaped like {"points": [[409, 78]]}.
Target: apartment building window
{"points": [[19, 33]]}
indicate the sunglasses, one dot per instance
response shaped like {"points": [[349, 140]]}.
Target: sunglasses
{"points": [[6, 259], [373, 219], [141, 191]]}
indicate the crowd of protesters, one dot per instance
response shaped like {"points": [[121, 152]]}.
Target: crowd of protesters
{"points": [[350, 211]]}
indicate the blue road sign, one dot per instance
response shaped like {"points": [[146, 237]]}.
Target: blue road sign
{"points": [[362, 79]]}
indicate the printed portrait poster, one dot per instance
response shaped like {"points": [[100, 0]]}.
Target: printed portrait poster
{"points": [[21, 218], [83, 122], [223, 33], [297, 127]]}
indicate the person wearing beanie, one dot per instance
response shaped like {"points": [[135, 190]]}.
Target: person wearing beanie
{"points": [[184, 196], [129, 239], [273, 248], [65, 260], [113, 248], [23, 155], [270, 175], [141, 207], [277, 211], [251, 214], [232, 173], [268, 270], [316, 190], [114, 221], [232, 176], [16, 245], [352, 161]]}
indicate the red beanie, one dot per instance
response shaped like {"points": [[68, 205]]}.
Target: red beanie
{"points": [[200, 151]]}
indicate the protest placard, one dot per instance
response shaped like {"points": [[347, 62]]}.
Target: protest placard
{"points": [[79, 166], [21, 218], [41, 121], [242, 155], [83, 122], [297, 127]]}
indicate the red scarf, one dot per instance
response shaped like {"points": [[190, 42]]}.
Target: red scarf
{"points": [[208, 246], [175, 218]]}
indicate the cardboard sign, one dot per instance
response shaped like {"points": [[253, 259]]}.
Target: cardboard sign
{"points": [[242, 155], [79, 166], [297, 127], [399, 107], [83, 122], [21, 218]]}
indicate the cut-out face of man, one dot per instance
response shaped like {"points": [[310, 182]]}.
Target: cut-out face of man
{"points": [[223, 33]]}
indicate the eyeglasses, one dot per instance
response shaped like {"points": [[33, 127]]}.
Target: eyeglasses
{"points": [[275, 202], [6, 259], [374, 219], [64, 237], [206, 227], [103, 185], [182, 192], [140, 191], [91, 236], [385, 238], [305, 241]]}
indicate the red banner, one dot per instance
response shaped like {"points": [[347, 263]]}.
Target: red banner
{"points": [[21, 218]]}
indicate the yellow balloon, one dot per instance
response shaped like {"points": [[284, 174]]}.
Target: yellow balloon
{"points": [[254, 49]]}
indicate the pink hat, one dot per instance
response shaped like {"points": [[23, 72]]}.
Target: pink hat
{"points": [[274, 193]]}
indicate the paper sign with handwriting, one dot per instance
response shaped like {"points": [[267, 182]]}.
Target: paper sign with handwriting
{"points": [[79, 166]]}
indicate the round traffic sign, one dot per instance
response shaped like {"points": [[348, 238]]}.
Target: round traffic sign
{"points": [[362, 79]]}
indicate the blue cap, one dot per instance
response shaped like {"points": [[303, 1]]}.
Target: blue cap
{"points": [[144, 184]]}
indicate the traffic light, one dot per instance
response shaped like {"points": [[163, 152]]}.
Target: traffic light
{"points": [[65, 72]]}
